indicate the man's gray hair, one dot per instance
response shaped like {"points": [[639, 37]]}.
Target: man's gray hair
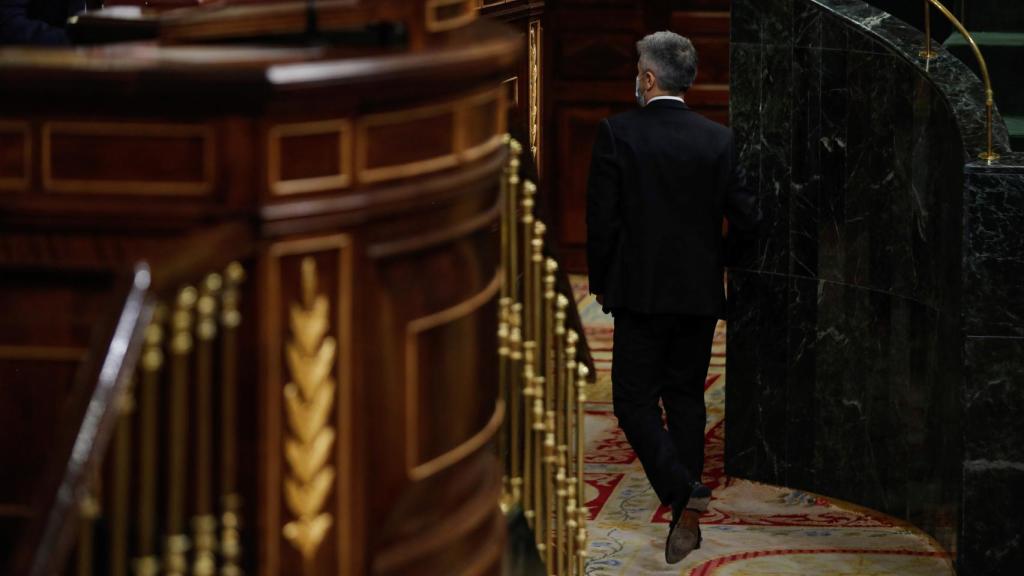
{"points": [[671, 57]]}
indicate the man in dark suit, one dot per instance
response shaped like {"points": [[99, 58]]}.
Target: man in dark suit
{"points": [[661, 179], [36, 21]]}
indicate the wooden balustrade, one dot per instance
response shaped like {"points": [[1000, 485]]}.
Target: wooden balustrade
{"points": [[332, 402]]}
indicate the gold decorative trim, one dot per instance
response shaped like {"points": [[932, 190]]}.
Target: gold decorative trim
{"points": [[469, 154], [438, 23], [395, 171], [409, 244], [458, 152], [139, 187], [535, 56], [460, 452], [308, 401], [420, 470], [301, 448], [276, 133], [19, 184]]}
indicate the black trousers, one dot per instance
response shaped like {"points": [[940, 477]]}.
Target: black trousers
{"points": [[663, 357]]}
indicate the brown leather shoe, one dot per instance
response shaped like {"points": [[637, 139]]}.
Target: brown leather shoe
{"points": [[684, 532], [684, 537]]}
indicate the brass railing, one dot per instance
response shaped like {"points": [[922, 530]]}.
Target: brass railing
{"points": [[542, 384], [189, 358], [989, 155]]}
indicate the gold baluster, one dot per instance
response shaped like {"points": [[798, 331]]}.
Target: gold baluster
{"points": [[231, 501], [504, 368], [515, 411], [121, 485], [537, 312], [204, 523], [550, 444], [88, 512], [514, 310], [176, 543], [504, 305], [529, 298], [549, 490], [146, 562], [573, 500], [529, 348], [529, 484], [581, 534], [561, 493], [231, 537]]}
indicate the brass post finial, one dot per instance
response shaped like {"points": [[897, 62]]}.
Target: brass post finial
{"points": [[152, 351], [529, 190], [206, 307], [181, 320]]}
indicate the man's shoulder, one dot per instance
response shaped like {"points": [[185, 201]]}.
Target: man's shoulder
{"points": [[710, 126], [623, 118], [684, 115]]}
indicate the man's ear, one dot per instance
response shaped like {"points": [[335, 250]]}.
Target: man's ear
{"points": [[649, 80]]}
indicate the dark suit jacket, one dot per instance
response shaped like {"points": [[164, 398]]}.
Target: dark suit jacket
{"points": [[36, 21], [661, 179]]}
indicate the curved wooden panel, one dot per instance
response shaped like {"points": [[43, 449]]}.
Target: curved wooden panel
{"points": [[418, 141], [444, 15], [427, 339], [309, 156], [15, 155], [128, 158]]}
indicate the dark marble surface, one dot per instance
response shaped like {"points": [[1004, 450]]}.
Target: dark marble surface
{"points": [[994, 250], [880, 302]]}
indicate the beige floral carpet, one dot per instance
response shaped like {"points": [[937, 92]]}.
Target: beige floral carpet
{"points": [[750, 529]]}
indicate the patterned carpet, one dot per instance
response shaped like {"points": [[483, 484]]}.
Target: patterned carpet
{"points": [[750, 529]]}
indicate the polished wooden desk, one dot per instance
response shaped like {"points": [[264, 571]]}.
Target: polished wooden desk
{"points": [[367, 178]]}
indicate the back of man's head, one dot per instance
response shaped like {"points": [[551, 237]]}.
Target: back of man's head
{"points": [[671, 58]]}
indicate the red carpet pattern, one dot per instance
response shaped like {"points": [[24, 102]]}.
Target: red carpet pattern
{"points": [[750, 529]]}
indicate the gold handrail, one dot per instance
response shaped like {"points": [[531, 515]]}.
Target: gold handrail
{"points": [[989, 155]]}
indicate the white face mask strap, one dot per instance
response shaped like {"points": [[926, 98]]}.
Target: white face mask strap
{"points": [[640, 94]]}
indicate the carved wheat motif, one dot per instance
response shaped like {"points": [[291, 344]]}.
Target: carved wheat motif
{"points": [[309, 403]]}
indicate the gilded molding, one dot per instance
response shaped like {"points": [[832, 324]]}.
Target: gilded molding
{"points": [[438, 19], [309, 400], [535, 54], [333, 264], [458, 150], [204, 133], [279, 132], [497, 140], [418, 470]]}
